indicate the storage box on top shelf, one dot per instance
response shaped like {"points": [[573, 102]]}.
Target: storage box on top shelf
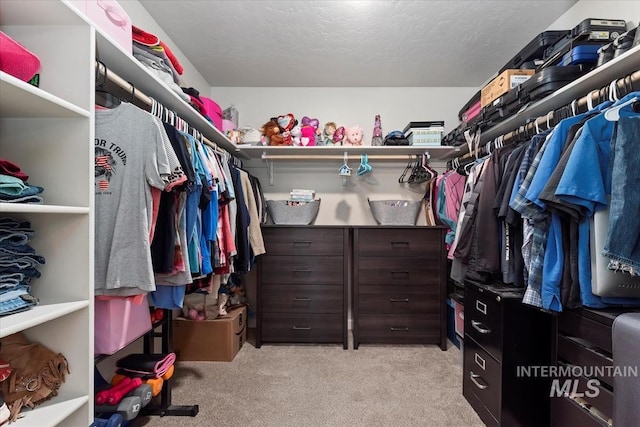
{"points": [[217, 340], [506, 81], [111, 18]]}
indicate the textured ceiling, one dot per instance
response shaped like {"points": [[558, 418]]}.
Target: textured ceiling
{"points": [[351, 43]]}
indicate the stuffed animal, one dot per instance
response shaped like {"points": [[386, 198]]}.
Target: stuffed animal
{"points": [[329, 130], [270, 133], [286, 122], [338, 136], [353, 136], [296, 133], [308, 137]]}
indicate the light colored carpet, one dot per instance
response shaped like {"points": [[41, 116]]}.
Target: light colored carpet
{"points": [[324, 385]]}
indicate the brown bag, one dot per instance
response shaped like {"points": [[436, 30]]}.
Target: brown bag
{"points": [[37, 373]]}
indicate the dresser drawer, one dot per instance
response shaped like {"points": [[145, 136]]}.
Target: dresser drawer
{"points": [[302, 299], [577, 353], [400, 242], [602, 402], [579, 326], [483, 376], [302, 328], [482, 314], [303, 240], [399, 329], [398, 271], [302, 270], [398, 300]]}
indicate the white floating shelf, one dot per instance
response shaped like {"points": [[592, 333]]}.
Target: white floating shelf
{"points": [[43, 209], [38, 315], [51, 413], [436, 152], [20, 99]]}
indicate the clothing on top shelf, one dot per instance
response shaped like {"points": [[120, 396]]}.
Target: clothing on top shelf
{"points": [[536, 200]]}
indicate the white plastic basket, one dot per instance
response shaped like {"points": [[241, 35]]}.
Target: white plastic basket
{"points": [[286, 212], [395, 212]]}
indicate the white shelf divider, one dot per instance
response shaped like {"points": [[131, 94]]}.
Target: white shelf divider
{"points": [[43, 209], [38, 315]]}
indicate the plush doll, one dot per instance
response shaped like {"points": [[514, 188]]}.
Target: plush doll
{"points": [[308, 137], [271, 134], [338, 136], [329, 130], [353, 136], [296, 133], [286, 122]]}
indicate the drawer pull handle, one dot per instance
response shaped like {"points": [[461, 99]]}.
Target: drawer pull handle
{"points": [[480, 361], [400, 244], [481, 307], [479, 327], [302, 242], [399, 300], [302, 328], [301, 299], [301, 271], [476, 382], [398, 272], [394, 329]]}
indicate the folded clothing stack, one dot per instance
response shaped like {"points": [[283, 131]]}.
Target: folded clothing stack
{"points": [[14, 187], [18, 261]]}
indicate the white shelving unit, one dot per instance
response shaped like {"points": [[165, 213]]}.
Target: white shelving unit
{"points": [[302, 153], [48, 132]]}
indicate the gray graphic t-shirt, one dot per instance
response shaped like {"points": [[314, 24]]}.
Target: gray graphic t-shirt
{"points": [[129, 158]]}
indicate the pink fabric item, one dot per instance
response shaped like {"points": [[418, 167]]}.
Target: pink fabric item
{"points": [[16, 60], [214, 112], [174, 61], [10, 168], [227, 125]]}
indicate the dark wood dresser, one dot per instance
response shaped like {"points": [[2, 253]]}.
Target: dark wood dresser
{"points": [[500, 335], [584, 339], [399, 285], [302, 285]]}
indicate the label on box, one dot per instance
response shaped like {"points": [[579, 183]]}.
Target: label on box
{"points": [[516, 80]]}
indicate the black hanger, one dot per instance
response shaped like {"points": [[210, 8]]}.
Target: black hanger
{"points": [[103, 96], [408, 167]]}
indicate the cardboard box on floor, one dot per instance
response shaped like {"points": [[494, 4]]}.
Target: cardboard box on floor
{"points": [[210, 340], [502, 84]]}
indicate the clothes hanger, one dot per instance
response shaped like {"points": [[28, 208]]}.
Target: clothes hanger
{"points": [[104, 98], [408, 167], [613, 113], [364, 167]]}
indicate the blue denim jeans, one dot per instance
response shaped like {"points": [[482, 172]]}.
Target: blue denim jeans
{"points": [[9, 280], [623, 241], [16, 305]]}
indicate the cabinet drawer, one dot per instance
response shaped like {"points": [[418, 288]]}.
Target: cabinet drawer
{"points": [[400, 242], [576, 353], [398, 271], [302, 299], [399, 329], [398, 300], [300, 270], [483, 376], [303, 241], [565, 412], [581, 327], [603, 402], [302, 328], [482, 315]]}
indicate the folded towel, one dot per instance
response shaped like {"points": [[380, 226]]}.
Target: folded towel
{"points": [[626, 348], [146, 365]]}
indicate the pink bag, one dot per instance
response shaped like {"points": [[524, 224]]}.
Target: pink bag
{"points": [[118, 323], [213, 111], [16, 60]]}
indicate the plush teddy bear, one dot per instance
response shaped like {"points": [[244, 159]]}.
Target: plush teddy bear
{"points": [[308, 137], [271, 133], [353, 136]]}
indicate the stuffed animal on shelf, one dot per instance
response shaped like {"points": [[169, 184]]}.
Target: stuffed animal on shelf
{"points": [[328, 132], [376, 139], [338, 136], [271, 133], [308, 137], [353, 136], [286, 122], [296, 133]]}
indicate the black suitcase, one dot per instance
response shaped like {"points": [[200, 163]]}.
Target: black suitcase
{"points": [[534, 49], [589, 31], [550, 79], [474, 100], [502, 108]]}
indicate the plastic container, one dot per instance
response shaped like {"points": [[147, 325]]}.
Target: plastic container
{"points": [[585, 54], [395, 212], [293, 213]]}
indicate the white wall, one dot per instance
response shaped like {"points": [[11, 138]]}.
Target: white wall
{"points": [[584, 9], [141, 19]]}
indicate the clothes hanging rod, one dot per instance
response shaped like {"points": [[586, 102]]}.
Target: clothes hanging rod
{"points": [[336, 157], [144, 101], [629, 83]]}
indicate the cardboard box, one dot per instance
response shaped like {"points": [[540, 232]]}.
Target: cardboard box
{"points": [[210, 340], [502, 84]]}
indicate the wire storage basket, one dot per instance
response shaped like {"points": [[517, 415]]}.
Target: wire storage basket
{"points": [[395, 212], [293, 213]]}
